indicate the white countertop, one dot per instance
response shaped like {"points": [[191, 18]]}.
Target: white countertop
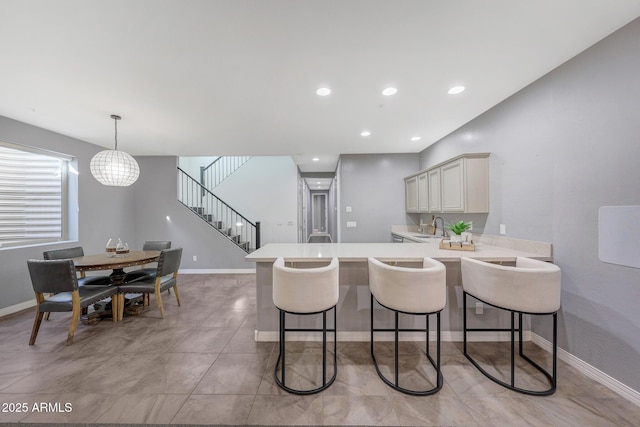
{"points": [[346, 252]]}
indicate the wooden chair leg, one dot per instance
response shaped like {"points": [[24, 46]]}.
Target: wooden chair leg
{"points": [[75, 297], [159, 301], [175, 289], [36, 326], [115, 308]]}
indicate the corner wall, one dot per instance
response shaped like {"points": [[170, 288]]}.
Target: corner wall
{"points": [[561, 148], [373, 186]]}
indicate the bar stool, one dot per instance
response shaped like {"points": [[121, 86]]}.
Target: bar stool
{"points": [[415, 291], [306, 291], [531, 287]]}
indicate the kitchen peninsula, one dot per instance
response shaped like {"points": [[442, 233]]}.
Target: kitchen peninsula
{"points": [[354, 303]]}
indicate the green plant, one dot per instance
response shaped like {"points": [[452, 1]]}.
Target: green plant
{"points": [[459, 227]]}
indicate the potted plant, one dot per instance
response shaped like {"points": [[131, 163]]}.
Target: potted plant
{"points": [[457, 229]]}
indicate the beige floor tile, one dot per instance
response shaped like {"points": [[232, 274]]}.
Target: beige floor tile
{"points": [[143, 408], [435, 410], [359, 410], [286, 410], [244, 342], [234, 374], [215, 409]]}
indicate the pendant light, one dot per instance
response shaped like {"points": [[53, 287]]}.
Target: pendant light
{"points": [[113, 167]]}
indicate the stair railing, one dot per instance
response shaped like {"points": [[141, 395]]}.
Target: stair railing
{"points": [[221, 168], [217, 213]]}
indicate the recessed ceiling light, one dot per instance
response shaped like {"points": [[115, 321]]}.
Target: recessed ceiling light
{"points": [[323, 91], [315, 159], [416, 138], [388, 91], [456, 90], [365, 133]]}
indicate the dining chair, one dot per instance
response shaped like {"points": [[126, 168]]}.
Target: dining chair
{"points": [[83, 280], [76, 252], [165, 278], [58, 279], [148, 272]]}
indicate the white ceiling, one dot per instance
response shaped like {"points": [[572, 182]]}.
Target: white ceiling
{"points": [[239, 77]]}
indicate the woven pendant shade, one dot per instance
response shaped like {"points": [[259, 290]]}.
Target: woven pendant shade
{"points": [[116, 168], [113, 167]]}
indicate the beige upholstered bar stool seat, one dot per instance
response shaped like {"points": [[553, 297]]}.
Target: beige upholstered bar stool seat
{"points": [[531, 287], [306, 291], [414, 291]]}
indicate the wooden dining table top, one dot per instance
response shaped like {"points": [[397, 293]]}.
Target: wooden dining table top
{"points": [[110, 262]]}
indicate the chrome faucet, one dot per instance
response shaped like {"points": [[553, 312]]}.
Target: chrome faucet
{"points": [[435, 224]]}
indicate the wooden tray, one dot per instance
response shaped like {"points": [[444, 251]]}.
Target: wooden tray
{"points": [[455, 246]]}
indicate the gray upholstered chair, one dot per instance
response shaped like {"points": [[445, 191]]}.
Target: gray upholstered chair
{"points": [[76, 252], [58, 278], [148, 272], [413, 291], [531, 287], [165, 278], [306, 291]]}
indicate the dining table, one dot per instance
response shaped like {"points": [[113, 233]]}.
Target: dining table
{"points": [[117, 263]]}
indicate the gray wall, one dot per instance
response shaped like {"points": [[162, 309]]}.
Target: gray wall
{"points": [[156, 198], [102, 211], [373, 185], [561, 148]]}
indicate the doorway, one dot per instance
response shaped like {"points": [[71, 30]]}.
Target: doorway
{"points": [[319, 213]]}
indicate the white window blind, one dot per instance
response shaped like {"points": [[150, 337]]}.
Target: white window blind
{"points": [[31, 197]]}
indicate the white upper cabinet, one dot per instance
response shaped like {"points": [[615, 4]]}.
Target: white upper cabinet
{"points": [[453, 186], [457, 185], [411, 194], [423, 193], [435, 204]]}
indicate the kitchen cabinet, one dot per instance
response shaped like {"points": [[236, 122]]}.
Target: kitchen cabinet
{"points": [[435, 204], [411, 194], [452, 186], [460, 184], [423, 193]]}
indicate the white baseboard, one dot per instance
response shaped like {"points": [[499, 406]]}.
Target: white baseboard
{"points": [[18, 307], [590, 371], [217, 271], [344, 336]]}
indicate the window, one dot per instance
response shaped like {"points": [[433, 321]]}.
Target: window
{"points": [[32, 195]]}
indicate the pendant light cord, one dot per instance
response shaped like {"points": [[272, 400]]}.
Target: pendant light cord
{"points": [[115, 119]]}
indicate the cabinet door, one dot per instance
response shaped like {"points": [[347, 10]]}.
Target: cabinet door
{"points": [[434, 190], [423, 193], [411, 194], [452, 175]]}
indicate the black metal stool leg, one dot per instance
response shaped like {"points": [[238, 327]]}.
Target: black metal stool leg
{"points": [[281, 381], [396, 329], [551, 378]]}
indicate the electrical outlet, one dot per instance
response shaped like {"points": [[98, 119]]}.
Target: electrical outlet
{"points": [[195, 257], [351, 224], [503, 229], [479, 308]]}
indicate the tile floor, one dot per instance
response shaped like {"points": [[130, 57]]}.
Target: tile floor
{"points": [[200, 365]]}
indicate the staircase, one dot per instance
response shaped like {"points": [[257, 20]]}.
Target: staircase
{"points": [[211, 176], [219, 215]]}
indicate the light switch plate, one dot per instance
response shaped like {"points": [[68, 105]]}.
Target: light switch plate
{"points": [[348, 208]]}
